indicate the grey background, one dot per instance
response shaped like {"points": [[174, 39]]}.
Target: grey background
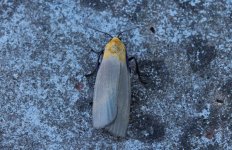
{"points": [[45, 99]]}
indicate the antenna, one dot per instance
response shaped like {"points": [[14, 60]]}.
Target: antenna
{"points": [[100, 31], [120, 33], [147, 24]]}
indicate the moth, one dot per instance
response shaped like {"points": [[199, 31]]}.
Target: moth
{"points": [[112, 90]]}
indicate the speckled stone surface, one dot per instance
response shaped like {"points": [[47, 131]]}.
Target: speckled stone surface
{"points": [[45, 99]]}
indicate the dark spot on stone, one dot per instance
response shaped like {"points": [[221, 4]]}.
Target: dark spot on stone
{"points": [[155, 73], [97, 4], [35, 55], [147, 128], [79, 86], [219, 101], [84, 105], [209, 134], [200, 54], [138, 9], [152, 29]]}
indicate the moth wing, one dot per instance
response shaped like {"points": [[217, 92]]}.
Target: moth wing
{"points": [[119, 126], [106, 92]]}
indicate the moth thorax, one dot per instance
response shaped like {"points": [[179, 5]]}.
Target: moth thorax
{"points": [[115, 49]]}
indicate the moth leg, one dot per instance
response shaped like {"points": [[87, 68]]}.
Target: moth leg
{"points": [[97, 64], [96, 52], [137, 69]]}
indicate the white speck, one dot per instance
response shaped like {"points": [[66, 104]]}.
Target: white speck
{"points": [[205, 112], [188, 33], [172, 12], [15, 75], [195, 87], [32, 115], [194, 2], [203, 20], [218, 136]]}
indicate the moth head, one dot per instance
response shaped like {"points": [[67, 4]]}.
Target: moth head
{"points": [[115, 45]]}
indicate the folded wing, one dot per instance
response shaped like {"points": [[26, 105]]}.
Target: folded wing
{"points": [[106, 93], [119, 126]]}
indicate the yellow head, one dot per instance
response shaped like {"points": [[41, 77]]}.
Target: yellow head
{"points": [[115, 48]]}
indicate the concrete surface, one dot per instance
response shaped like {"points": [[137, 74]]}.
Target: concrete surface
{"points": [[45, 51]]}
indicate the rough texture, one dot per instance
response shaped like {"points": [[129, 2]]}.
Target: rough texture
{"points": [[45, 99]]}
